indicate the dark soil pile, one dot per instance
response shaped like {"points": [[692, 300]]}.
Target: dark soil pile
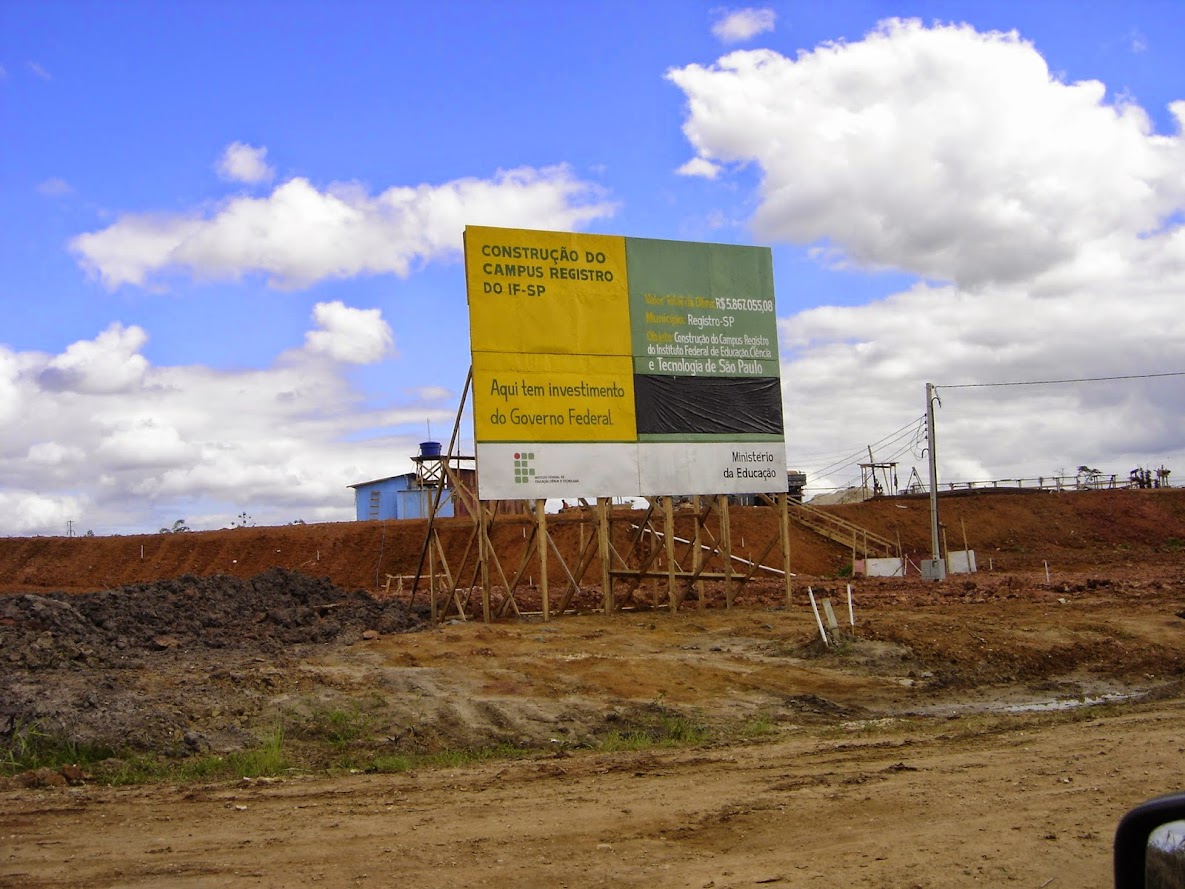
{"points": [[142, 667], [267, 614]]}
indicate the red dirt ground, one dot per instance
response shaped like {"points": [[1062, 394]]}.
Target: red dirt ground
{"points": [[1009, 532]]}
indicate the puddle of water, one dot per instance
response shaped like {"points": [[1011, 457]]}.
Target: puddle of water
{"points": [[1066, 704], [1038, 705]]}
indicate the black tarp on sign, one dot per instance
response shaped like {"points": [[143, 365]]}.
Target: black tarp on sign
{"points": [[707, 405]]}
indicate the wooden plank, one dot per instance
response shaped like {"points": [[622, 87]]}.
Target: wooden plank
{"points": [[829, 611], [483, 547], [697, 559], [726, 549], [588, 551], [604, 549], [668, 524], [541, 519], [784, 526]]}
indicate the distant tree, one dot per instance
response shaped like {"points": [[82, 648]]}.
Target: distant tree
{"points": [[242, 521], [178, 527], [297, 522], [89, 534], [1140, 477]]}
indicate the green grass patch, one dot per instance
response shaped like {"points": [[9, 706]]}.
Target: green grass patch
{"points": [[131, 770], [759, 726], [655, 726], [336, 726], [387, 764], [268, 760], [327, 741], [32, 748], [617, 742]]}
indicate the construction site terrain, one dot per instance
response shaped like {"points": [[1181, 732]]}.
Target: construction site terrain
{"points": [[987, 729]]}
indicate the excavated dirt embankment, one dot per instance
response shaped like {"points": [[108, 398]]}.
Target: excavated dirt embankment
{"points": [[1008, 531]]}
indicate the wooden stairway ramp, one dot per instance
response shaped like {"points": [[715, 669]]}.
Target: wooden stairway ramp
{"points": [[867, 544]]}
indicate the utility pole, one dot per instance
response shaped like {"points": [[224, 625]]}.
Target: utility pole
{"points": [[936, 570]]}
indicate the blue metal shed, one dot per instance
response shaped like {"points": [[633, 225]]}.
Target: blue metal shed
{"points": [[398, 497]]}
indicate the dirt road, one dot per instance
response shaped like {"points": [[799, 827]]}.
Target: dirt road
{"points": [[938, 804]]}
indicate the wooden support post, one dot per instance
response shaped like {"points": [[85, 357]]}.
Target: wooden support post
{"points": [[432, 583], [726, 549], [588, 554], [784, 530], [603, 546], [697, 559], [648, 553], [668, 533], [483, 558], [649, 556], [541, 519], [572, 584], [453, 441]]}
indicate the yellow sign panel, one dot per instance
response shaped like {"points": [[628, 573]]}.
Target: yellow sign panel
{"points": [[553, 398], [546, 292]]}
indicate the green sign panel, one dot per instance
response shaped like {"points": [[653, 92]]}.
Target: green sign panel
{"points": [[701, 309]]}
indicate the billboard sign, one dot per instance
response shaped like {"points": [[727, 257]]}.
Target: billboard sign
{"points": [[612, 366]]}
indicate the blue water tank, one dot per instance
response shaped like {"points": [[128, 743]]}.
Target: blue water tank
{"points": [[429, 449]]}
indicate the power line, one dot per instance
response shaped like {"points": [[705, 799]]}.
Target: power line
{"points": [[1177, 373], [918, 426], [909, 429], [854, 459], [839, 461]]}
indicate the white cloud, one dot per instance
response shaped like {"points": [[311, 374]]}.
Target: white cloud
{"points": [[433, 393], [119, 445], [107, 364], [54, 188], [941, 151], [1052, 216], [735, 26], [10, 393], [51, 453], [141, 442], [245, 163], [355, 336], [299, 235], [39, 71], [699, 166], [27, 512]]}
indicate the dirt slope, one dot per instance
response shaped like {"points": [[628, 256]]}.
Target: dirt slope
{"points": [[1012, 531]]}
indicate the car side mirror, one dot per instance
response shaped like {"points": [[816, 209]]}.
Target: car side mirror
{"points": [[1150, 845]]}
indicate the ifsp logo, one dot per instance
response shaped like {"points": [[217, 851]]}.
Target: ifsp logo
{"points": [[523, 471]]}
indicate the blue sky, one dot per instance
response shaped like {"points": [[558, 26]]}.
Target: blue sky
{"points": [[230, 233]]}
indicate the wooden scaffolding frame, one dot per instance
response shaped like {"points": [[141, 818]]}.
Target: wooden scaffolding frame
{"points": [[623, 557]]}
